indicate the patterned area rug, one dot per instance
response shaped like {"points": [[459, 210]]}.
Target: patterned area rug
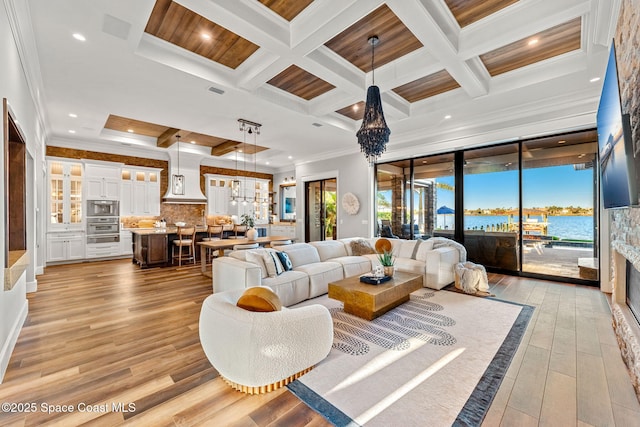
{"points": [[436, 360]]}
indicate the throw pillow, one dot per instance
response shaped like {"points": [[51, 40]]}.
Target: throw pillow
{"points": [[285, 260], [259, 298], [383, 245], [272, 263], [255, 257], [361, 247]]}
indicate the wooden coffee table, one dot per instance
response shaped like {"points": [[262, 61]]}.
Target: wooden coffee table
{"points": [[370, 301]]}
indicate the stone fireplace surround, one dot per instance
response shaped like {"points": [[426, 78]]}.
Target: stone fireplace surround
{"points": [[625, 324]]}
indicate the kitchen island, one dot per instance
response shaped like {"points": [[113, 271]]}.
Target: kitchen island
{"points": [[152, 246]]}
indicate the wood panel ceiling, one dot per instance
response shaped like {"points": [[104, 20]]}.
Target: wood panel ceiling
{"points": [[353, 111], [288, 9], [308, 63], [301, 83], [427, 86], [395, 40], [176, 24], [546, 44], [167, 136], [469, 11]]}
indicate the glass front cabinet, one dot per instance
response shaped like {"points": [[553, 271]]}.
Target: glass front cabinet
{"points": [[65, 195]]}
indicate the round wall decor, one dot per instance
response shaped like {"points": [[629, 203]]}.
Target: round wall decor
{"points": [[350, 203]]}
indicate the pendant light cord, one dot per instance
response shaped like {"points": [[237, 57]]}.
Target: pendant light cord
{"points": [[373, 53]]}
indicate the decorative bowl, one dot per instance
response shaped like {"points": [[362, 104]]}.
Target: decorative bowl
{"points": [[180, 224]]}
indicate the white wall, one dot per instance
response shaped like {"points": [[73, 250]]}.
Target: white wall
{"points": [[14, 87], [353, 175]]}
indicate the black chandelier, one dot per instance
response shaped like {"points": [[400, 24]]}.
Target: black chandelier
{"points": [[374, 132]]}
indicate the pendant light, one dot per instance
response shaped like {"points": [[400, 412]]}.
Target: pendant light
{"points": [[177, 180], [374, 132]]}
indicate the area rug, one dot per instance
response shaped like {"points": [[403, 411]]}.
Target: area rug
{"points": [[436, 360]]}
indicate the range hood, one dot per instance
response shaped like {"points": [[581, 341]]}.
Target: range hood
{"points": [[189, 167]]}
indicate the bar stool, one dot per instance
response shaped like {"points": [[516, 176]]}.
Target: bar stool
{"points": [[239, 229], [214, 232], [186, 239]]}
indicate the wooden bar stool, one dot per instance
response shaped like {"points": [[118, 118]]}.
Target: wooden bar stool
{"points": [[214, 232], [186, 239], [239, 230]]}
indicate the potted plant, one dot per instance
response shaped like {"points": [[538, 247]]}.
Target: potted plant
{"points": [[387, 261], [249, 221]]}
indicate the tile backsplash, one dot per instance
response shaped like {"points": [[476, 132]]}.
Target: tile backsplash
{"points": [[172, 213]]}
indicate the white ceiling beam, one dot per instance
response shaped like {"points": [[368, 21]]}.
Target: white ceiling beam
{"points": [[517, 22], [416, 17]]}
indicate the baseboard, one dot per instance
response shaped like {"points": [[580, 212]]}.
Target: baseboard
{"points": [[39, 270], [12, 338], [32, 286]]}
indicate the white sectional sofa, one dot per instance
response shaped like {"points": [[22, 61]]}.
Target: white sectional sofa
{"points": [[315, 264]]}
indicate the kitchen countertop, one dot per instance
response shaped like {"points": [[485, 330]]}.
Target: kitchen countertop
{"points": [[168, 230]]}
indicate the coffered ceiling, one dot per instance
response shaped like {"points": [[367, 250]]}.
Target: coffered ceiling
{"points": [[452, 72]]}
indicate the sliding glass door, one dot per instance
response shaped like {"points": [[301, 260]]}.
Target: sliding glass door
{"points": [[491, 199], [559, 190], [321, 209]]}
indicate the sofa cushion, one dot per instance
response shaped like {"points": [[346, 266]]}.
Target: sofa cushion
{"points": [[383, 245], [361, 247], [255, 257], [272, 263], [284, 259], [328, 249], [301, 254], [291, 286], [410, 265], [320, 274], [259, 298], [354, 265]]}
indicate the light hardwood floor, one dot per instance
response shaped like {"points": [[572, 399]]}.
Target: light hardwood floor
{"points": [[106, 333]]}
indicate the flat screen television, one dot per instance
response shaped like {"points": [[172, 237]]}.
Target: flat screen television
{"points": [[618, 164]]}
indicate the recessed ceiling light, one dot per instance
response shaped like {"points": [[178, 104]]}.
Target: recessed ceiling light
{"points": [[424, 162], [581, 155], [448, 116], [562, 141], [595, 79], [266, 163], [290, 157], [72, 131], [355, 107], [205, 36], [79, 37], [73, 115], [239, 151], [130, 130], [533, 42], [193, 142]]}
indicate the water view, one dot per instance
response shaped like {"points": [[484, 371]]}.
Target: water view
{"points": [[562, 227]]}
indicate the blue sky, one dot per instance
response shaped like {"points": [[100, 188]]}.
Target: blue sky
{"points": [[551, 186]]}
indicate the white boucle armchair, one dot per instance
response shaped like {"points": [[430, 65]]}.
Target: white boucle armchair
{"points": [[259, 352]]}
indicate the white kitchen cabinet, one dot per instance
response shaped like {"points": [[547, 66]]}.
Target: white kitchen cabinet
{"points": [[65, 246], [126, 242], [65, 205], [283, 230], [140, 189], [218, 192], [102, 180], [103, 250]]}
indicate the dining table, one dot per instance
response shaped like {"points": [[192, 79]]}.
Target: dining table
{"points": [[221, 244]]}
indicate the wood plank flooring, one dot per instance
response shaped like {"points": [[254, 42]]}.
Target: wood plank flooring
{"points": [[108, 333]]}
